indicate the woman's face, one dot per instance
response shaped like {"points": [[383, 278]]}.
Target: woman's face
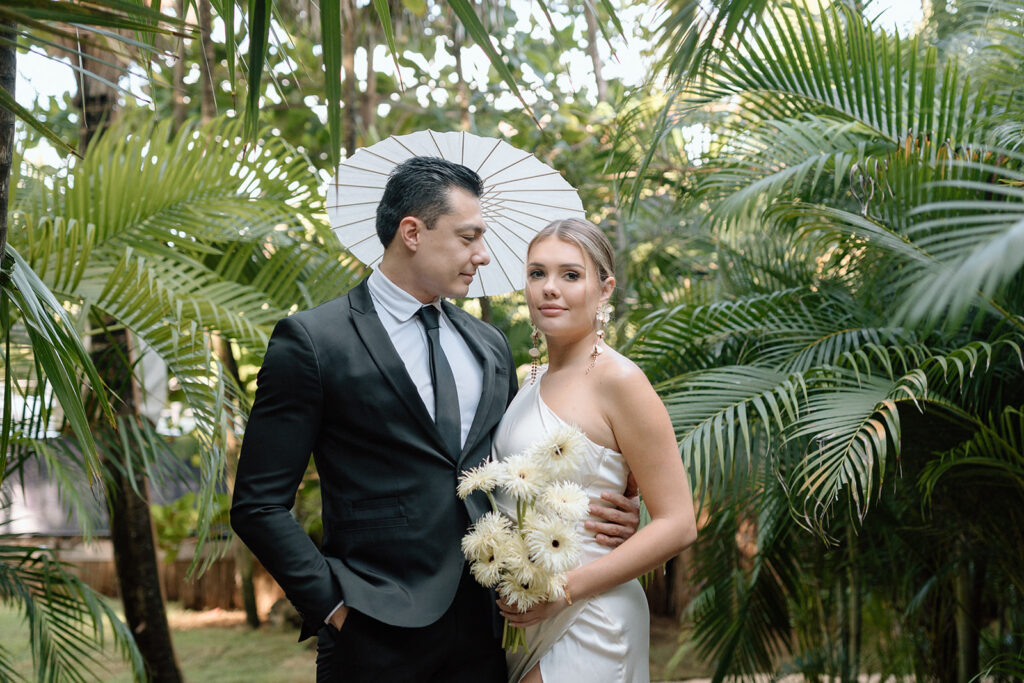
{"points": [[563, 288]]}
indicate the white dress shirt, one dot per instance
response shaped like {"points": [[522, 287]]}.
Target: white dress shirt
{"points": [[397, 309]]}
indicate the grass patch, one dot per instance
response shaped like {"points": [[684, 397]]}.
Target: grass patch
{"points": [[216, 646], [666, 639], [211, 646]]}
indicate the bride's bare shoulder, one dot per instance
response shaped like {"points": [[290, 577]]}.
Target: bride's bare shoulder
{"points": [[620, 377]]}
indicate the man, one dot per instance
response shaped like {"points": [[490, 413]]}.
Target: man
{"points": [[366, 383]]}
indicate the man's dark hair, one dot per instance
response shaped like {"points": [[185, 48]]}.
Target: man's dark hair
{"points": [[419, 187]]}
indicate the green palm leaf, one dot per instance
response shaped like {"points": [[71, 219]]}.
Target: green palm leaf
{"points": [[714, 410], [64, 617], [849, 423], [184, 259], [39, 24], [977, 244], [56, 348], [995, 453], [686, 338], [741, 617], [976, 358], [691, 30], [889, 87], [790, 156]]}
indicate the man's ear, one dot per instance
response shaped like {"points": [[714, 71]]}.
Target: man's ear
{"points": [[409, 230]]}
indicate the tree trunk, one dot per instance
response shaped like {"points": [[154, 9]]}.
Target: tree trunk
{"points": [[96, 101], [8, 78], [595, 57], [462, 94], [369, 108], [131, 532], [208, 62], [131, 527], [850, 627], [348, 63], [180, 109], [969, 581]]}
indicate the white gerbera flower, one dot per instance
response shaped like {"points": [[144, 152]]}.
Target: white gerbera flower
{"points": [[566, 500], [490, 532], [522, 596], [522, 477], [556, 586], [525, 584], [552, 542], [513, 551], [482, 478], [561, 453], [485, 547], [487, 571]]}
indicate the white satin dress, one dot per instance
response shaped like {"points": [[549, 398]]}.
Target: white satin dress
{"points": [[601, 639]]}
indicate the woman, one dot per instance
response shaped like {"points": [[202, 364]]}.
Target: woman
{"points": [[599, 631]]}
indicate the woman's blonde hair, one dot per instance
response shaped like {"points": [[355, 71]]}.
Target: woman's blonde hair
{"points": [[588, 237]]}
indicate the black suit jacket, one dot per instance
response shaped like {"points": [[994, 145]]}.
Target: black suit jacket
{"points": [[332, 385]]}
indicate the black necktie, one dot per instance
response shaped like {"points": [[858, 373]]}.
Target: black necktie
{"points": [[446, 397]]}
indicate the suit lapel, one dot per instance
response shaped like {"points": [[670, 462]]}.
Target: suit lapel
{"points": [[484, 410], [378, 345]]}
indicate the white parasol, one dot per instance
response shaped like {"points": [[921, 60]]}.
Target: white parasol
{"points": [[521, 195]]}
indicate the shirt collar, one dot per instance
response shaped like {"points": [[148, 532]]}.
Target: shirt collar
{"points": [[400, 304]]}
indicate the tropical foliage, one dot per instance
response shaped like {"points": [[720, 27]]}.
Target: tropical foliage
{"points": [[819, 229], [850, 389], [223, 239]]}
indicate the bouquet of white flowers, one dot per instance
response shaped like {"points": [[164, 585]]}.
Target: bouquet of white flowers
{"points": [[525, 559]]}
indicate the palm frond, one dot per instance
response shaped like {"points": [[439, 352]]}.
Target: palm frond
{"points": [[799, 64], [756, 258], [225, 240], [131, 297], [691, 31], [715, 410], [687, 338], [204, 188], [796, 156], [741, 617], [123, 26], [977, 243], [972, 359], [57, 349], [849, 423], [1008, 665], [802, 63], [134, 446], [291, 274], [996, 449], [65, 618], [959, 248]]}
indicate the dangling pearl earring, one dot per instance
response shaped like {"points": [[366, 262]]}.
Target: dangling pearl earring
{"points": [[534, 354], [604, 314]]}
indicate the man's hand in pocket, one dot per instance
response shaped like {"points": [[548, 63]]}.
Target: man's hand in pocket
{"points": [[339, 617]]}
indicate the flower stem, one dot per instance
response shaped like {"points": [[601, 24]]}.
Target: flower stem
{"points": [[513, 638]]}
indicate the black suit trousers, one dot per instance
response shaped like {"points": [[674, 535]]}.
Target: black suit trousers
{"points": [[460, 647]]}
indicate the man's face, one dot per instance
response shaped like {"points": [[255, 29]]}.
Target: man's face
{"points": [[448, 256]]}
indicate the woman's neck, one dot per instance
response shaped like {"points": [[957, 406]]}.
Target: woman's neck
{"points": [[563, 353]]}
